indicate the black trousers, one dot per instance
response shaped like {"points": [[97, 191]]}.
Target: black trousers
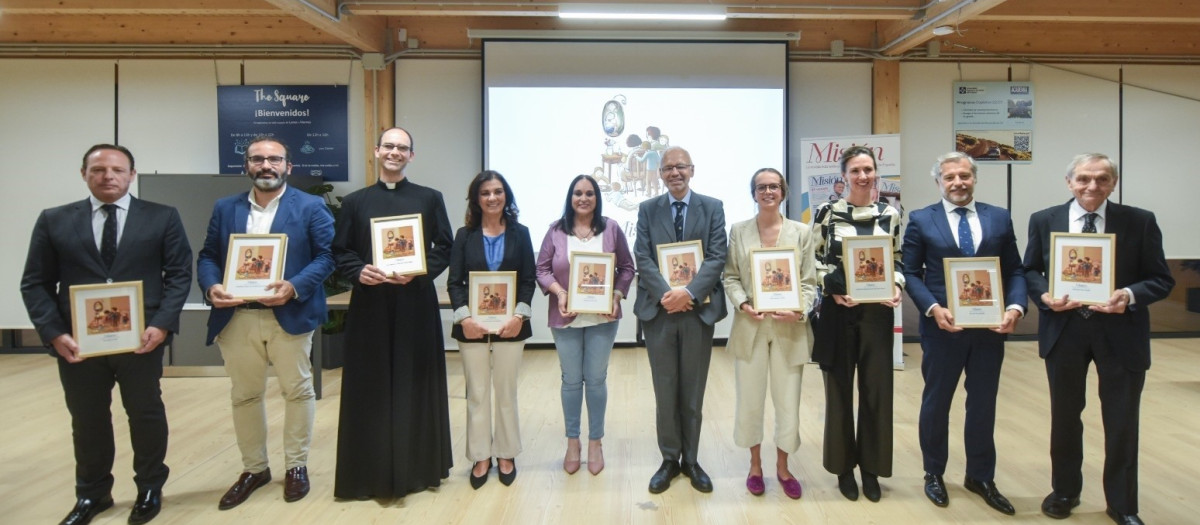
{"points": [[1081, 343], [88, 387], [863, 335]]}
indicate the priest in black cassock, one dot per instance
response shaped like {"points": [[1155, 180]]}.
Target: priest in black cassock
{"points": [[394, 431]]}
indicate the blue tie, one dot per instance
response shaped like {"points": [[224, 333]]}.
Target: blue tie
{"points": [[678, 220], [965, 242]]}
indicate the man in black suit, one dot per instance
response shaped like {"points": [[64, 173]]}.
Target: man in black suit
{"points": [[678, 322], [88, 242], [1115, 335], [960, 226]]}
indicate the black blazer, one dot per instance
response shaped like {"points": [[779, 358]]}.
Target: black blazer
{"points": [[62, 252], [467, 255], [1141, 267]]}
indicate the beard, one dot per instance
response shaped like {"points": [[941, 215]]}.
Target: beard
{"points": [[269, 184]]}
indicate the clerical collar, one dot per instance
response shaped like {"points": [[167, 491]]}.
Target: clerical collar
{"points": [[392, 185]]}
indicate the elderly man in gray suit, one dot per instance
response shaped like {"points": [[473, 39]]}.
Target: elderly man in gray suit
{"points": [[678, 322]]}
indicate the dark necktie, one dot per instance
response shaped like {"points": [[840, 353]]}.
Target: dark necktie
{"points": [[1089, 226], [1089, 223], [965, 242], [108, 240], [678, 220]]}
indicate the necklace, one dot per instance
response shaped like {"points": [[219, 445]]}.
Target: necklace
{"points": [[585, 238]]}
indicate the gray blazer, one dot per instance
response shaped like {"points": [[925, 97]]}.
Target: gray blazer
{"points": [[794, 338], [705, 222]]}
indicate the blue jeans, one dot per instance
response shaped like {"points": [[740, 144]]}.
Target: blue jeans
{"points": [[583, 355]]}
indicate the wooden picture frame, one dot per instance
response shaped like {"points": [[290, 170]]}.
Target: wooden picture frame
{"points": [[975, 291], [590, 286], [678, 263], [107, 318], [1082, 266], [253, 262], [776, 287], [493, 298], [398, 244], [868, 265]]}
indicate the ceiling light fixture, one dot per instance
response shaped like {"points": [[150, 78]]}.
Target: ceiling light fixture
{"points": [[641, 12], [944, 30]]}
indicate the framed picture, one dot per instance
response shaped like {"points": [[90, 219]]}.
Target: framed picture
{"points": [[1082, 266], [868, 266], [254, 262], [590, 289], [107, 318], [975, 291], [678, 263], [398, 244], [775, 286], [493, 298]]}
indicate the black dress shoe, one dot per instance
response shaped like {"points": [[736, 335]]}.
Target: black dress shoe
{"points": [[245, 485], [510, 477], [148, 503], [871, 487], [295, 484], [1058, 507], [86, 509], [935, 490], [662, 477], [848, 486], [700, 479], [478, 481], [991, 495], [1123, 519]]}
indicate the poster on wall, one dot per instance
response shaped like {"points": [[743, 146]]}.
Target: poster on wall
{"points": [[821, 181], [821, 173], [311, 120], [993, 121]]}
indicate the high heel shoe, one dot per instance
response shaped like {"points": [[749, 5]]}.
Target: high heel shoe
{"points": [[595, 456], [507, 479], [571, 460], [478, 481]]}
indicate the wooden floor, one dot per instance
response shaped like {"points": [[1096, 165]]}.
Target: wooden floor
{"points": [[36, 466]]}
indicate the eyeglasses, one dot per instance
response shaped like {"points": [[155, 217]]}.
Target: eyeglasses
{"points": [[402, 148], [763, 188], [676, 167], [257, 160]]}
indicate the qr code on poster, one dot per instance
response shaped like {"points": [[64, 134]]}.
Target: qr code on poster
{"points": [[1021, 141]]}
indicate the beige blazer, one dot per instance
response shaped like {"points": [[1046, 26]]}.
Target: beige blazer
{"points": [[744, 338]]}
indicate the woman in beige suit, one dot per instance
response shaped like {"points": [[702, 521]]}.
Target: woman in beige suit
{"points": [[769, 347]]}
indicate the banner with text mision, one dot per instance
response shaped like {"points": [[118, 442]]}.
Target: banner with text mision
{"points": [[821, 181], [311, 120]]}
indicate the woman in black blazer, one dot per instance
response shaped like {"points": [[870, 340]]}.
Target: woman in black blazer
{"points": [[491, 240]]}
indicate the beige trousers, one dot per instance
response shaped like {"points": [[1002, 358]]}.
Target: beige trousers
{"points": [[767, 362], [492, 367], [250, 342]]}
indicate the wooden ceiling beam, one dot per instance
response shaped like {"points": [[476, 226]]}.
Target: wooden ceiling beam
{"points": [[897, 37], [368, 34], [140, 7]]}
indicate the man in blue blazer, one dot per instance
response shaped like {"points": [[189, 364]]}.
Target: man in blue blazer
{"points": [[110, 237], [960, 226], [276, 328], [1115, 335], [678, 323]]}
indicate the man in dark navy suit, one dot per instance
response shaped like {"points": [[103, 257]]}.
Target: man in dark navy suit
{"points": [[110, 237], [960, 226], [277, 327], [1114, 335]]}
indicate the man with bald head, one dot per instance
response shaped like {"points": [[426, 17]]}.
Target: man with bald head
{"points": [[678, 322]]}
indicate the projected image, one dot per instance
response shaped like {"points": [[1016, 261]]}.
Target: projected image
{"points": [[541, 138]]}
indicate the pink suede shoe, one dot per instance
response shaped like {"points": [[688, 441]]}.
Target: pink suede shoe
{"points": [[755, 485], [791, 487]]}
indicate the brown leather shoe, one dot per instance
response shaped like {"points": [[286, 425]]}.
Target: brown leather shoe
{"points": [[246, 484], [295, 486]]}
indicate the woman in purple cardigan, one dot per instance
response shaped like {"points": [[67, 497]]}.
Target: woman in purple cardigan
{"points": [[584, 341]]}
